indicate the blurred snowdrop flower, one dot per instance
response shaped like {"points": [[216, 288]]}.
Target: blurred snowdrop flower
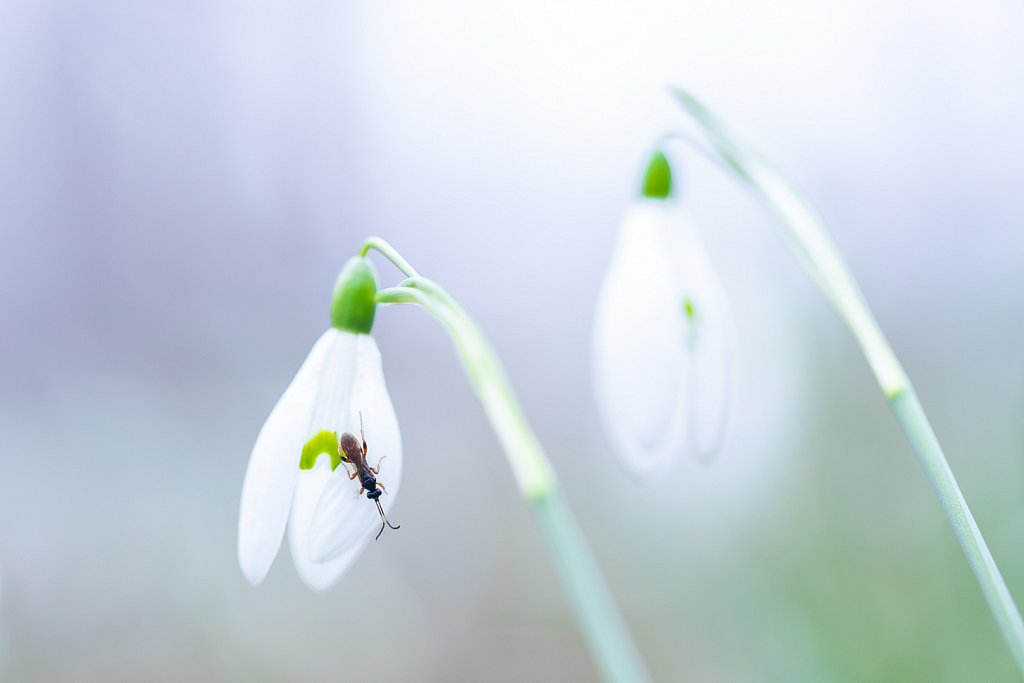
{"points": [[663, 335], [288, 484]]}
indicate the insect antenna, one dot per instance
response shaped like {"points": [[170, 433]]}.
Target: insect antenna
{"points": [[384, 521], [362, 434]]}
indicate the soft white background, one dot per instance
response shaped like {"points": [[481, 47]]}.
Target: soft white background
{"points": [[179, 183]]}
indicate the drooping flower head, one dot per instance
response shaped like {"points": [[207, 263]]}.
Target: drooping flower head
{"points": [[296, 478], [663, 334]]}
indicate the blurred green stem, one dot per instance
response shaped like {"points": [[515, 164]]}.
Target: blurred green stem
{"points": [[809, 240], [609, 641]]}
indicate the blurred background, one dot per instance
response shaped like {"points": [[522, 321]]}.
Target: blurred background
{"points": [[180, 182]]}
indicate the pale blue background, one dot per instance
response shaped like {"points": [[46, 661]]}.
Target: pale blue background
{"points": [[179, 183]]}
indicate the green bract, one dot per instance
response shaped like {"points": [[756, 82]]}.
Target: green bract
{"points": [[658, 177], [354, 302]]}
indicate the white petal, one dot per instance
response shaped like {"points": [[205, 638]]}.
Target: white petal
{"points": [[335, 389], [712, 341], [639, 338], [342, 523], [273, 467], [663, 341], [334, 393], [311, 484]]}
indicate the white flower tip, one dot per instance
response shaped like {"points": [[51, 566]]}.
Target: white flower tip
{"points": [[261, 527], [254, 559], [252, 574], [320, 582], [321, 574], [646, 464]]}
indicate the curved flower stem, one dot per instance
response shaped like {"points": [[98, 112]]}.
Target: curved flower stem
{"points": [[606, 635], [390, 253], [807, 237]]}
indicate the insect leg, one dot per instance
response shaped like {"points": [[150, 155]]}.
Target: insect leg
{"points": [[376, 470], [351, 475]]}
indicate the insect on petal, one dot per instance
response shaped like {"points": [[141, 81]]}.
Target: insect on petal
{"points": [[327, 414], [342, 522]]}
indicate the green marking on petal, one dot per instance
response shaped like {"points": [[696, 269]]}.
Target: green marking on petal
{"points": [[689, 309], [323, 442], [690, 315]]}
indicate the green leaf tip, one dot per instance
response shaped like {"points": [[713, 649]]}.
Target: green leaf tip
{"points": [[323, 442], [354, 303], [658, 177]]}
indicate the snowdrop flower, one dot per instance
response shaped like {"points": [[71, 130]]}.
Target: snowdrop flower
{"points": [[296, 477], [663, 335]]}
